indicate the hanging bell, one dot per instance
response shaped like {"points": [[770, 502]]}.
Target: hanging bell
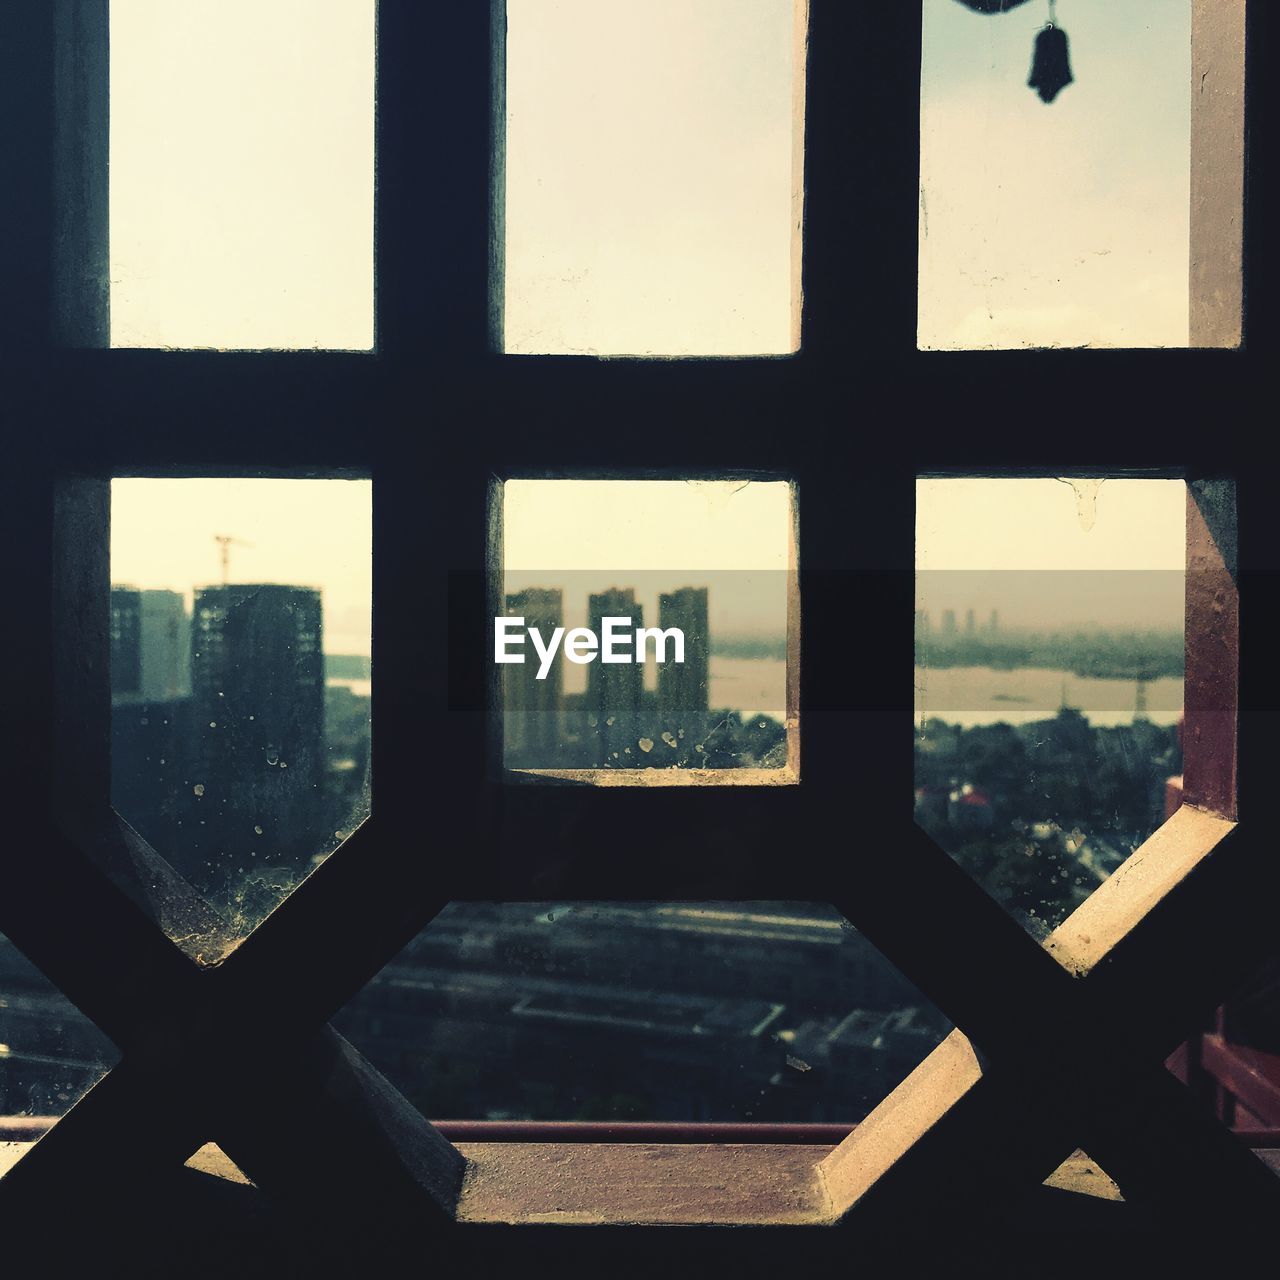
{"points": [[1051, 63]]}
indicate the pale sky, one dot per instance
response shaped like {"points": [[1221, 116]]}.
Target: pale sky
{"points": [[307, 533], [652, 176], [1044, 550], [1065, 224], [241, 184], [654, 535]]}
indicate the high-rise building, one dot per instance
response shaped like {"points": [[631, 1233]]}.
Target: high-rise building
{"points": [[257, 671], [684, 688], [532, 708], [615, 691], [970, 623], [126, 643], [948, 622], [994, 625], [150, 645], [166, 646]]}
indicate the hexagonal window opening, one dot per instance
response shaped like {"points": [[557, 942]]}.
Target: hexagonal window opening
{"points": [[241, 678], [1050, 662], [656, 1011]]}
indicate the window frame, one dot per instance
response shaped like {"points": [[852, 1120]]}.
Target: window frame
{"points": [[999, 1106]]}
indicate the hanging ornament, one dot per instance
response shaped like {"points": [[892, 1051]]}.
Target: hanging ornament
{"points": [[1051, 62]]}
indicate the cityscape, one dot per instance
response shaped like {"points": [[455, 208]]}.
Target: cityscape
{"points": [[1041, 805], [619, 723], [233, 752], [240, 750]]}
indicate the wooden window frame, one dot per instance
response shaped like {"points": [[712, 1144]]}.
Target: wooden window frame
{"points": [[1062, 1046]]}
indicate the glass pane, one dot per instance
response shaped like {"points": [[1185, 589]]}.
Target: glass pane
{"points": [[50, 1053], [1062, 223], [709, 560], [242, 173], [1049, 675], [653, 176], [240, 676], [642, 1011]]}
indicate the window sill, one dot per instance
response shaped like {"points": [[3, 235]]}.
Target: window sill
{"points": [[784, 777]]}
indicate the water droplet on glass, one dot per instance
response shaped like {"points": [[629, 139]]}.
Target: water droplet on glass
{"points": [[198, 788], [645, 745]]}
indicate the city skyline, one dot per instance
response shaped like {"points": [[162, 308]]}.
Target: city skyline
{"points": [[1050, 553], [635, 714], [313, 533], [735, 537]]}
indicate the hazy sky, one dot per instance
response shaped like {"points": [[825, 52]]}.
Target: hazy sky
{"points": [[310, 533], [650, 185], [1044, 552], [242, 173], [654, 535], [1062, 224]]}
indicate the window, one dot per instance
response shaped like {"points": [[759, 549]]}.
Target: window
{"points": [[699, 576], [240, 722], [241, 174], [634, 1011], [652, 183], [1055, 1048], [1049, 678], [1082, 222]]}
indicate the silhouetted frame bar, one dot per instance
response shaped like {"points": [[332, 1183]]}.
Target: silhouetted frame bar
{"points": [[81, 103]]}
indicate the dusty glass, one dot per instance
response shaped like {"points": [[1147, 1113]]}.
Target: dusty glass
{"points": [[241, 678], [241, 173], [642, 1011], [1050, 656], [1055, 213], [710, 560], [653, 176]]}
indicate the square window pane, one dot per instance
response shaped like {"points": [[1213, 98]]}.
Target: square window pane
{"points": [[242, 173], [653, 176], [241, 678], [1064, 223], [710, 566]]}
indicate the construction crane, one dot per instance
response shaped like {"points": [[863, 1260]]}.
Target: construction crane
{"points": [[225, 542]]}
